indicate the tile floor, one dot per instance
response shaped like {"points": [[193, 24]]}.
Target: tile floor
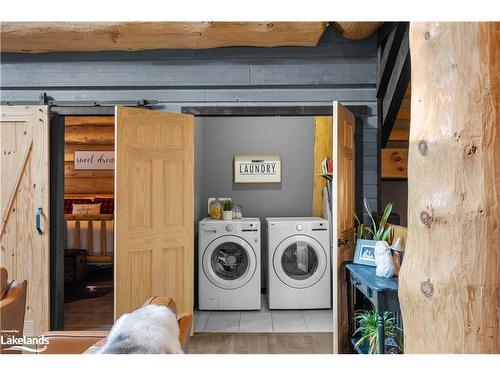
{"points": [[264, 320]]}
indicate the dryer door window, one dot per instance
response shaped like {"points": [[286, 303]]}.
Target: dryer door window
{"points": [[300, 261], [229, 261]]}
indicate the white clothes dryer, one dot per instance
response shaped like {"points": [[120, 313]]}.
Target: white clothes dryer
{"points": [[299, 268]]}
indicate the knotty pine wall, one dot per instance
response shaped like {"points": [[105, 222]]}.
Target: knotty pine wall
{"points": [[88, 133]]}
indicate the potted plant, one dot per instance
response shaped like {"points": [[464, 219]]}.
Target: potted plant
{"points": [[227, 206], [367, 331], [368, 236]]}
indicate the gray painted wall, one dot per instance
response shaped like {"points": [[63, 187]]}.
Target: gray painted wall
{"points": [[290, 137], [397, 193]]}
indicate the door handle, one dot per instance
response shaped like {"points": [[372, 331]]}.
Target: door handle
{"points": [[38, 220], [342, 242]]}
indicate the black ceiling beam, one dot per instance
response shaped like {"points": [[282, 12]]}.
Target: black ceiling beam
{"points": [[384, 31], [255, 111], [219, 111], [396, 88], [389, 53], [394, 73]]}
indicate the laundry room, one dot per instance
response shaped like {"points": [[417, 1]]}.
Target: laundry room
{"points": [[236, 283]]}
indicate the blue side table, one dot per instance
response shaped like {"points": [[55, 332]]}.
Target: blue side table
{"points": [[382, 292]]}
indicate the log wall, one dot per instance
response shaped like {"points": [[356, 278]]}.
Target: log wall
{"points": [[88, 134]]}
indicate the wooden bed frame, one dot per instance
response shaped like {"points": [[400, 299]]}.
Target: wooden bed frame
{"points": [[92, 220]]}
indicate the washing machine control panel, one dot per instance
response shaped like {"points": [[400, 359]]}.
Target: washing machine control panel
{"points": [[208, 228], [236, 227]]}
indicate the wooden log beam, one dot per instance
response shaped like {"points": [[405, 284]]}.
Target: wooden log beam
{"points": [[83, 185], [70, 171], [36, 37], [90, 134], [70, 148], [89, 120], [356, 30], [450, 277]]}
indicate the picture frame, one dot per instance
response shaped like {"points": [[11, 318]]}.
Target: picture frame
{"points": [[365, 252], [257, 169]]}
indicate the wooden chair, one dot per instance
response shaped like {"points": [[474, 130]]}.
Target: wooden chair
{"points": [[12, 308]]}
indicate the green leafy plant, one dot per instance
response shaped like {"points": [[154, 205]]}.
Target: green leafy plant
{"points": [[382, 232], [227, 205], [372, 232], [360, 229], [367, 322]]}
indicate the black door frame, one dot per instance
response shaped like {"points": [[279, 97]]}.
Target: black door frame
{"points": [[57, 226]]}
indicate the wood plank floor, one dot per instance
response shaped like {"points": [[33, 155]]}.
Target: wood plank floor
{"points": [[261, 343], [89, 314]]}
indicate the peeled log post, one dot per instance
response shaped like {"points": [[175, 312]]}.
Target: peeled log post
{"points": [[449, 281]]}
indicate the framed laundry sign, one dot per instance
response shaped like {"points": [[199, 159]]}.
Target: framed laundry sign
{"points": [[259, 169], [94, 160]]}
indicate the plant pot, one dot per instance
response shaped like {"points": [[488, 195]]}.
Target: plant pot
{"points": [[383, 258], [227, 215]]}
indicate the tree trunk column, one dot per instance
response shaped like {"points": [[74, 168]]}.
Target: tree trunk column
{"points": [[449, 281]]}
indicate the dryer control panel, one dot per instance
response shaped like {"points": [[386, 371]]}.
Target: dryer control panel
{"points": [[285, 227], [319, 226]]}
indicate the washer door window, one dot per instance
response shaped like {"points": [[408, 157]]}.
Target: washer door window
{"points": [[229, 262], [300, 261]]}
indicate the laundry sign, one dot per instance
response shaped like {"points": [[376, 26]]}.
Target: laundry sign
{"points": [[94, 160], [257, 169]]}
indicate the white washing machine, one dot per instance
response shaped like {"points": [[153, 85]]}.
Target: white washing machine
{"points": [[229, 264], [299, 268]]}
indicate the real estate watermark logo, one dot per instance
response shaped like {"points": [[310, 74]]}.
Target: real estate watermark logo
{"points": [[24, 343]]}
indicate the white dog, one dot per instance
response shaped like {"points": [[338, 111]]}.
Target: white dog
{"points": [[152, 329]]}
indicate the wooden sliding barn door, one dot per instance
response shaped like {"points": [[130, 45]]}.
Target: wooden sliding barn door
{"points": [[343, 190], [24, 186], [154, 215]]}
